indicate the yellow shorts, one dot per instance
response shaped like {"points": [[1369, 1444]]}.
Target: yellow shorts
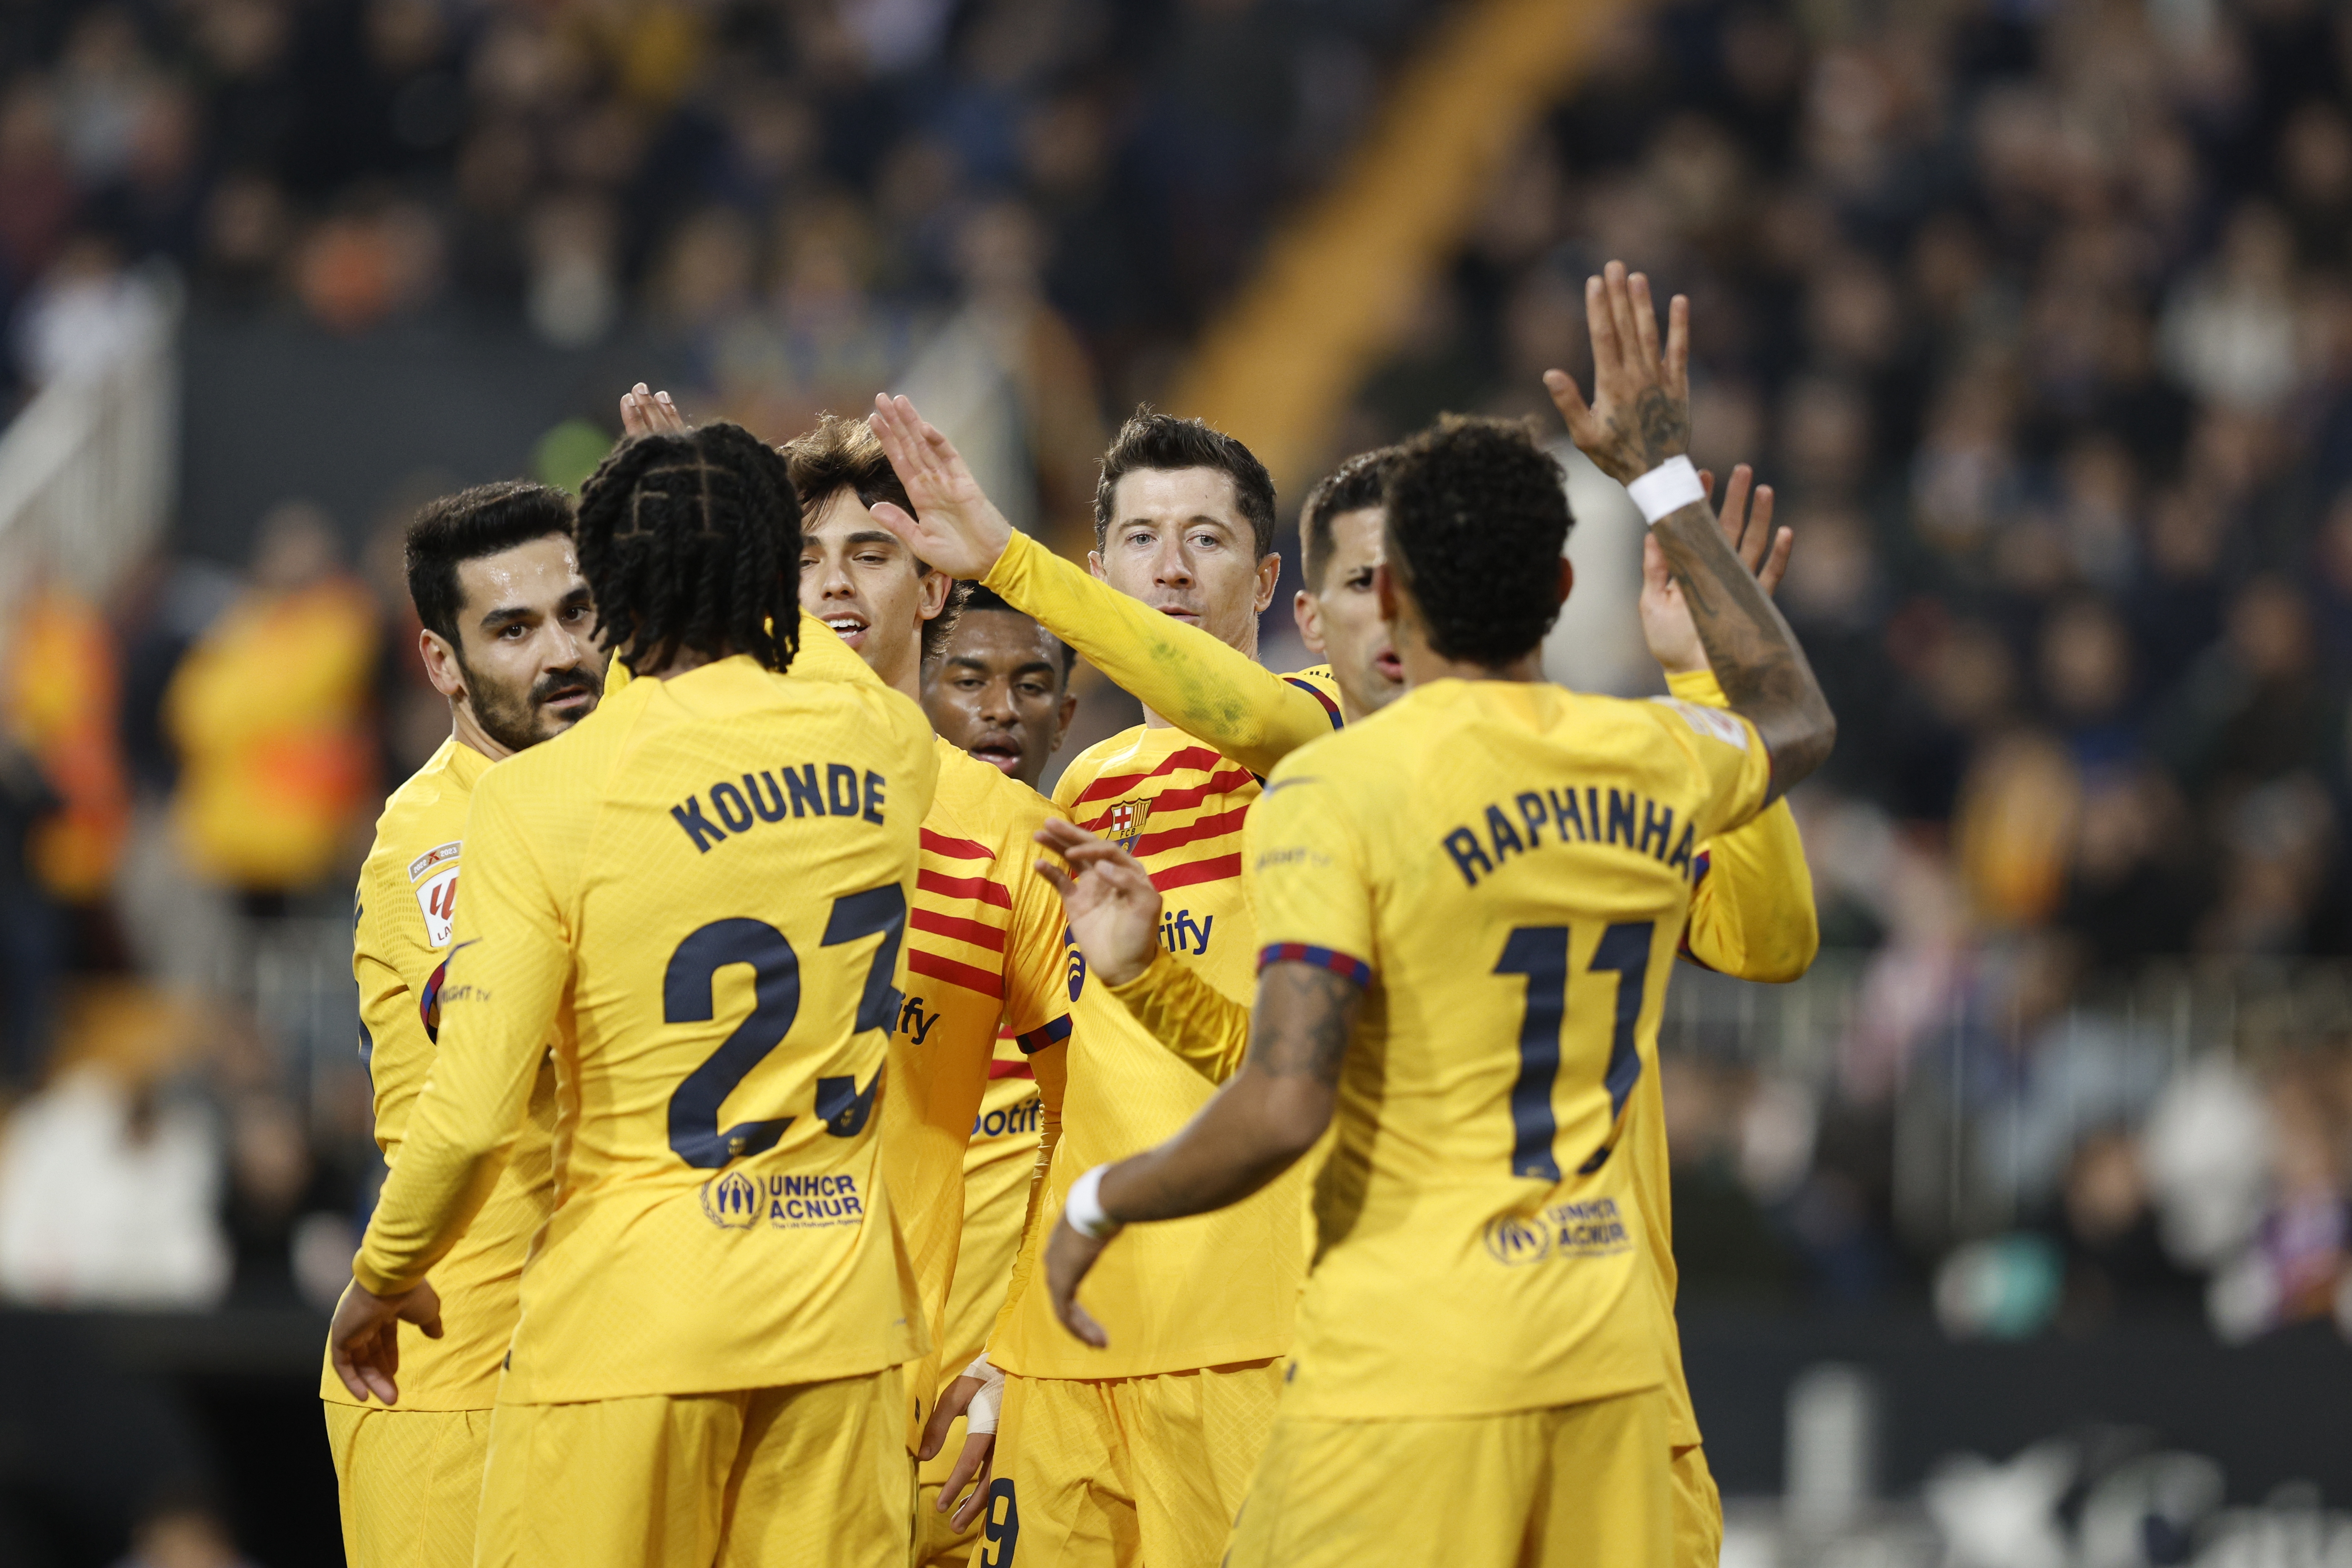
{"points": [[1698, 1512], [1576, 1486], [1126, 1470], [408, 1482], [814, 1473]]}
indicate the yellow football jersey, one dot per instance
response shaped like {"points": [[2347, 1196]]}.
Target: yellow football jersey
{"points": [[1198, 1292], [703, 890], [400, 936], [1507, 866], [983, 948]]}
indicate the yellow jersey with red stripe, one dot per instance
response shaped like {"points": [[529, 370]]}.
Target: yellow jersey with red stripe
{"points": [[400, 939], [702, 890], [1202, 1292], [1506, 866], [983, 952]]}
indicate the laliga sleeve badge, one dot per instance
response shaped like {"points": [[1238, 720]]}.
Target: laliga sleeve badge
{"points": [[437, 897], [435, 874]]}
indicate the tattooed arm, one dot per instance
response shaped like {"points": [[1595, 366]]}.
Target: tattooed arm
{"points": [[1639, 418], [1257, 1128]]}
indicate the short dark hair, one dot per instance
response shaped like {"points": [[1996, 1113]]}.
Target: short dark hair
{"points": [[483, 521], [983, 597], [692, 540], [1153, 440], [1478, 520], [845, 455], [1353, 486]]}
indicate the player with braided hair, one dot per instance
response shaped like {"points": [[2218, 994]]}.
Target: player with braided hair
{"points": [[700, 897], [985, 952], [676, 583]]}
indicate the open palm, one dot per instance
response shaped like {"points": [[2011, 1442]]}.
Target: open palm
{"points": [[956, 527]]}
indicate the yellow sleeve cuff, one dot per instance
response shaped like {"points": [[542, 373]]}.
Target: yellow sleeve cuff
{"points": [[1698, 686], [377, 1283]]}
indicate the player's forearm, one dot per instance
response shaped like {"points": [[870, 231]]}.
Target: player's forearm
{"points": [[1753, 915], [1211, 691], [1207, 1030], [1753, 654], [1265, 1120], [1257, 1127], [434, 1192], [461, 1130], [464, 1122]]}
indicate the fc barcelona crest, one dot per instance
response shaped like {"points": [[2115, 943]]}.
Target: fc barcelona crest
{"points": [[1126, 823]]}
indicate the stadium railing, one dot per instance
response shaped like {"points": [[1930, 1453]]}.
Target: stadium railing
{"points": [[90, 465]]}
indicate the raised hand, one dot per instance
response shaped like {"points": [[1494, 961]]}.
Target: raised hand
{"points": [[363, 1340], [956, 527], [1113, 908], [1640, 412], [1638, 419], [1666, 623], [645, 412]]}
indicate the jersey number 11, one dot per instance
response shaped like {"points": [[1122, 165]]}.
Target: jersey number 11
{"points": [[1540, 952]]}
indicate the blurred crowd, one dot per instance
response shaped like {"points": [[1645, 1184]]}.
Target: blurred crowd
{"points": [[2038, 318], [800, 194]]}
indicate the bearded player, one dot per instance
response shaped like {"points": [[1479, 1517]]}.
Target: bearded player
{"points": [[1468, 960], [509, 639]]}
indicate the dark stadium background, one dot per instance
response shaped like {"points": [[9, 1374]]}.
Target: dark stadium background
{"points": [[2036, 312]]}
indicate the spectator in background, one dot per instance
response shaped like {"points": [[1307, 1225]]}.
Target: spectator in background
{"points": [[269, 713], [111, 1177]]}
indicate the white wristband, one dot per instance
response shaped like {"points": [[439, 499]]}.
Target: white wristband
{"points": [[1667, 489], [979, 1416], [1084, 1208]]}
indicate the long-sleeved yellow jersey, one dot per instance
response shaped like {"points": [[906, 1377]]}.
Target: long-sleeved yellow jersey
{"points": [[702, 890], [1506, 868], [400, 936]]}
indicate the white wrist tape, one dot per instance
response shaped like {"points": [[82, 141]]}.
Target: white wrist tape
{"points": [[1666, 489], [979, 1416], [1084, 1211]]}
